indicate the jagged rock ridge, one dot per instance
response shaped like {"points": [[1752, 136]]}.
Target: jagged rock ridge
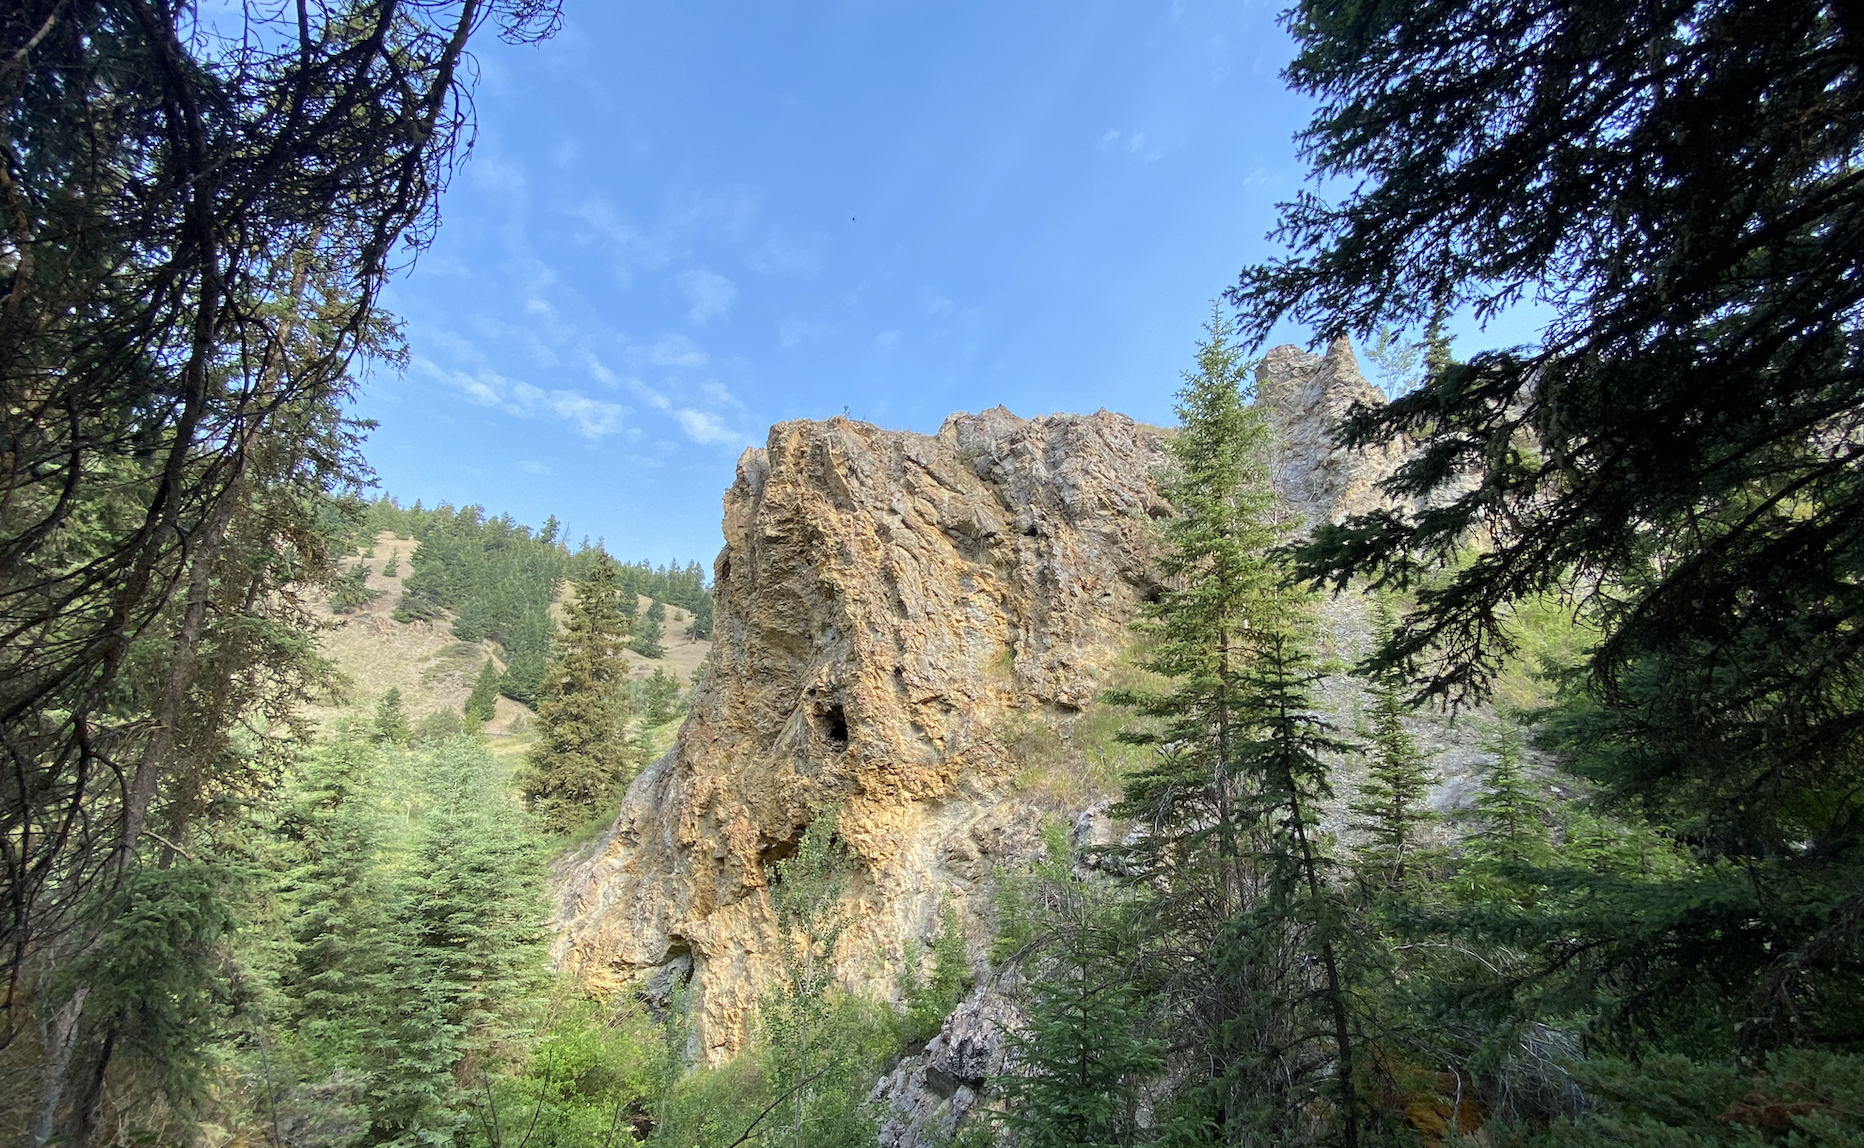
{"points": [[885, 602]]}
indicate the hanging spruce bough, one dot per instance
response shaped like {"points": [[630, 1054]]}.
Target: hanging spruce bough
{"points": [[1679, 184], [583, 754]]}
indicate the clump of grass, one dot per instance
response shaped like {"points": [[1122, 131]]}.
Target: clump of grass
{"points": [[1067, 762]]}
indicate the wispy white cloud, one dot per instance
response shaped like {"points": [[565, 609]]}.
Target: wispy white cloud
{"points": [[600, 372], [886, 340], [1135, 144], [591, 418], [675, 350], [532, 466], [705, 428], [710, 294], [649, 395], [796, 332], [783, 255]]}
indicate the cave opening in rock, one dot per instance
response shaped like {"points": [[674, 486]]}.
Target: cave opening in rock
{"points": [[835, 725], [781, 850]]}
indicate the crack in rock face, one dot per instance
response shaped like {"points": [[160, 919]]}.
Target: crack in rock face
{"points": [[885, 603]]}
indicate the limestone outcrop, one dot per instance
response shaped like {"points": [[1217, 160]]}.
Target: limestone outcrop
{"points": [[888, 605], [884, 603]]}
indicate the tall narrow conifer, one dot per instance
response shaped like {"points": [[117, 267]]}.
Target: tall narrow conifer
{"points": [[584, 753]]}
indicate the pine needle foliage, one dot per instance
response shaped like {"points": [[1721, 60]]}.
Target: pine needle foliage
{"points": [[1390, 809], [1223, 587], [1243, 890], [583, 753], [390, 726], [336, 897], [482, 703]]}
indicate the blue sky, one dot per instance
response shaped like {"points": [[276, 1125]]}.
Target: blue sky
{"points": [[682, 223]]}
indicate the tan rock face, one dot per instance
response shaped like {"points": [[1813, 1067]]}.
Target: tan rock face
{"points": [[884, 601], [885, 604]]}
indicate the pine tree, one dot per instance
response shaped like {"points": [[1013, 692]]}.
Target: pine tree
{"points": [[649, 632], [391, 722], [583, 751], [1389, 808], [1297, 921], [333, 888], [1230, 804], [467, 946], [1510, 805], [1079, 1063], [660, 691], [1224, 588], [482, 704]]}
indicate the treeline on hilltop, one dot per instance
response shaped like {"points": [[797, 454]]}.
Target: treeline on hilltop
{"points": [[498, 579]]}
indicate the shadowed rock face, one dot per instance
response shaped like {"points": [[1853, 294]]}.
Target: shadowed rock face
{"points": [[884, 603], [1305, 396]]}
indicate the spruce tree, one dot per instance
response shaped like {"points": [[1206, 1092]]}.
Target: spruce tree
{"points": [[1296, 924], [1229, 806], [334, 893], [1389, 808], [583, 752], [1510, 805], [466, 941], [1089, 1046], [649, 632], [660, 691], [482, 704], [1677, 184], [391, 722], [1224, 588]]}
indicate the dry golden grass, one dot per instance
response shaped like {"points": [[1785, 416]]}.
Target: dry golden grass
{"points": [[435, 671]]}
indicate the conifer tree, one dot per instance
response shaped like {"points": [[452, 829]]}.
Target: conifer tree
{"points": [[467, 939], [482, 704], [1224, 588], [649, 632], [333, 889], [1296, 910], [391, 722], [1089, 1045], [659, 693], [1510, 805], [1229, 805], [583, 752], [808, 1070], [1389, 808]]}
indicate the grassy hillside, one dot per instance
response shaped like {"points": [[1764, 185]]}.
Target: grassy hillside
{"points": [[375, 646]]}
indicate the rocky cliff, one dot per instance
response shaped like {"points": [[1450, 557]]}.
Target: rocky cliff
{"points": [[886, 602], [889, 607]]}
